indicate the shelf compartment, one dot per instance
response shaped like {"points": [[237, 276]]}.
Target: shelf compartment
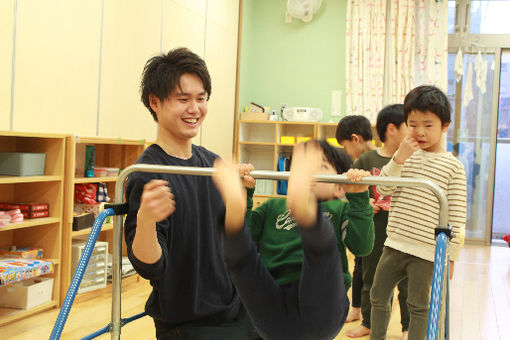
{"points": [[28, 223], [257, 132], [261, 156]]}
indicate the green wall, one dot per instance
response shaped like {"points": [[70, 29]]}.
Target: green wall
{"points": [[298, 64]]}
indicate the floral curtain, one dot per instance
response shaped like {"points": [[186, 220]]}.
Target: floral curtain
{"points": [[366, 31], [391, 48], [431, 65], [400, 46]]}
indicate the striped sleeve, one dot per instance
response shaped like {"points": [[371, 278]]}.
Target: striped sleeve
{"points": [[392, 169], [457, 210]]}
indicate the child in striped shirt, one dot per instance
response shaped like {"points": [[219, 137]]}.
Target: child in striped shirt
{"points": [[414, 212]]}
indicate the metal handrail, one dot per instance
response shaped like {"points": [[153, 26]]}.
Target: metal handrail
{"points": [[274, 175]]}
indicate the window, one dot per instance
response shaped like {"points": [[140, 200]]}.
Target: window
{"points": [[489, 16]]}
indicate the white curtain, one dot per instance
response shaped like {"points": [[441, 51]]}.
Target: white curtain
{"points": [[431, 43], [391, 48], [400, 47], [366, 31]]}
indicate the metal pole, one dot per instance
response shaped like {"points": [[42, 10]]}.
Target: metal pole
{"points": [[259, 174]]}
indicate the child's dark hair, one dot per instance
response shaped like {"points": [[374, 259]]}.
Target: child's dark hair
{"points": [[353, 124], [391, 114], [428, 98], [163, 72], [340, 160]]}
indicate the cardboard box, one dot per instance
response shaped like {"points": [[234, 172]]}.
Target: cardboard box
{"points": [[31, 206], [21, 253], [35, 214], [16, 270], [22, 163], [254, 116], [27, 294]]}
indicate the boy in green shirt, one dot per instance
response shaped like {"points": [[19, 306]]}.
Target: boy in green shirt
{"points": [[296, 288]]}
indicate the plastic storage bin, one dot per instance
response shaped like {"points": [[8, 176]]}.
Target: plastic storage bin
{"points": [[95, 274], [22, 163]]}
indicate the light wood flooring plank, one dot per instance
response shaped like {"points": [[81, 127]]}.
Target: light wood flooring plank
{"points": [[480, 305]]}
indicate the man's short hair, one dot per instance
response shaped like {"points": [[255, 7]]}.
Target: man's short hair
{"points": [[163, 72], [391, 114], [353, 124], [428, 98]]}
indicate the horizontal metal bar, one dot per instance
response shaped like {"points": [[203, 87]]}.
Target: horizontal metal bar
{"points": [[284, 175]]}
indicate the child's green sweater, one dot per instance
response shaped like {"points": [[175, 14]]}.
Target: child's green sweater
{"points": [[277, 235]]}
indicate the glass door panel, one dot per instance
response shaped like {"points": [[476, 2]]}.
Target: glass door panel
{"points": [[469, 134], [501, 207]]}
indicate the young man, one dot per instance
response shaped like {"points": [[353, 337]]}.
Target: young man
{"points": [[392, 129], [414, 212], [173, 229], [295, 289], [354, 133]]}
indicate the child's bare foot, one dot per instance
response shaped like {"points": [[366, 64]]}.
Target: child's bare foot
{"points": [[404, 335], [354, 314], [358, 332]]}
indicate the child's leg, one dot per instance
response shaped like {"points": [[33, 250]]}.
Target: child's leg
{"points": [[262, 297], [322, 299], [402, 300], [390, 270], [357, 286], [420, 281]]}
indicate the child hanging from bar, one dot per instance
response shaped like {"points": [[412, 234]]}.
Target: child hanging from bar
{"points": [[296, 288]]}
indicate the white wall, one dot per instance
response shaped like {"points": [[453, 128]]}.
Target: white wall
{"points": [[78, 64]]}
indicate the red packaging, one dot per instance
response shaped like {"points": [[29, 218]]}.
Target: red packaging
{"points": [[35, 214], [31, 206]]}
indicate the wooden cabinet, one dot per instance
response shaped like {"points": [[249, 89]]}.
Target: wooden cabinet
{"points": [[110, 153], [45, 232], [262, 142]]}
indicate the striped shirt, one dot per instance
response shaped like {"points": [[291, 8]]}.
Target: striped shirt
{"points": [[414, 212]]}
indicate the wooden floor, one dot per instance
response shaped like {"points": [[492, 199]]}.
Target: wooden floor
{"points": [[480, 305]]}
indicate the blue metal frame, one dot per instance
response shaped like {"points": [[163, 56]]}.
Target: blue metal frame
{"points": [[437, 286], [78, 276]]}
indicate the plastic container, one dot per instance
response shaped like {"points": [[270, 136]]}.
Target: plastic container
{"points": [[22, 163]]}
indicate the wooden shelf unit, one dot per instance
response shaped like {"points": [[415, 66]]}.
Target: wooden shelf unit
{"points": [[45, 233], [109, 152], [259, 142]]}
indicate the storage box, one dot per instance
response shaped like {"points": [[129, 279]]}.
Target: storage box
{"points": [[21, 253], [31, 206], [83, 221], [96, 271], [27, 294], [22, 163], [15, 270], [287, 139], [254, 116], [333, 142], [88, 208], [303, 139]]}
